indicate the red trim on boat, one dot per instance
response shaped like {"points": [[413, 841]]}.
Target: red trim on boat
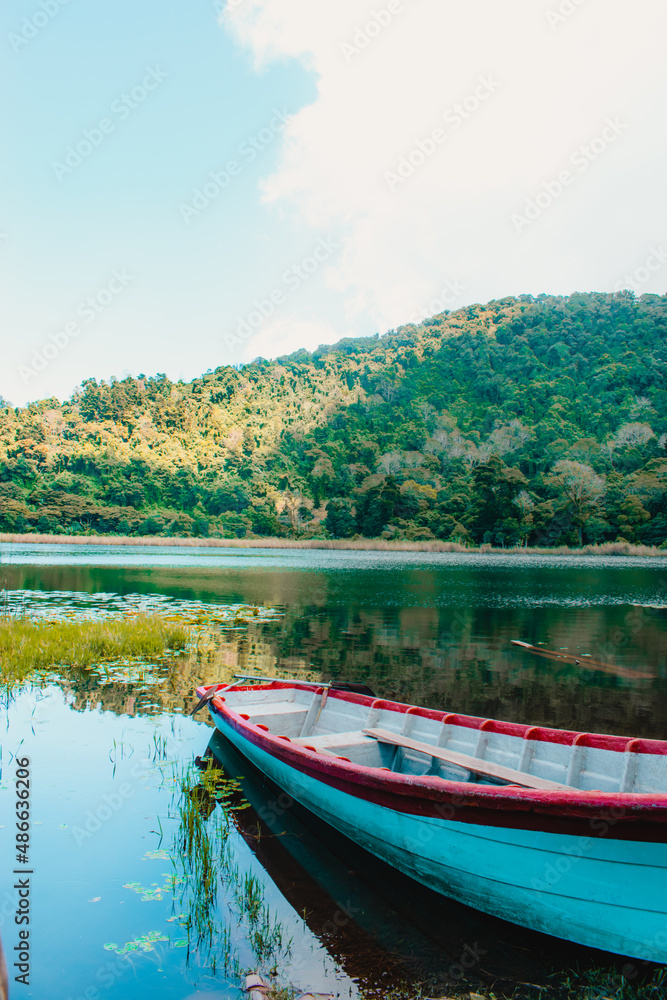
{"points": [[620, 816]]}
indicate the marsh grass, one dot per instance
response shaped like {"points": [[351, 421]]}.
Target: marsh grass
{"points": [[592, 984], [250, 897], [27, 646], [282, 993], [158, 751], [199, 850], [221, 906], [360, 544], [602, 984]]}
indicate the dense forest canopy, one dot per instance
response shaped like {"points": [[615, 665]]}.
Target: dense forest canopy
{"points": [[537, 421]]}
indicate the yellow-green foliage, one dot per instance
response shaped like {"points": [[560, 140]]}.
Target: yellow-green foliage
{"points": [[539, 421], [526, 421], [27, 645]]}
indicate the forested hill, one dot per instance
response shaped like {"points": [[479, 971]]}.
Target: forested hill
{"points": [[539, 420]]}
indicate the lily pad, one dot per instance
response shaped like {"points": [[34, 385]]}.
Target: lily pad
{"points": [[161, 855]]}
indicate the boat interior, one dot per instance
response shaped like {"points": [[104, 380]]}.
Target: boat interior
{"points": [[413, 741]]}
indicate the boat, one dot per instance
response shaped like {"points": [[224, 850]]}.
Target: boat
{"points": [[558, 831], [392, 930]]}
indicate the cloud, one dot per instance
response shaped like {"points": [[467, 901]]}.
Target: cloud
{"points": [[284, 335], [439, 126]]}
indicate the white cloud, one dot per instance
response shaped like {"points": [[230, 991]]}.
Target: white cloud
{"points": [[552, 89], [285, 335]]}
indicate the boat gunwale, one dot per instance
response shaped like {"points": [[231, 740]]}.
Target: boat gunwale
{"points": [[544, 734], [620, 809]]}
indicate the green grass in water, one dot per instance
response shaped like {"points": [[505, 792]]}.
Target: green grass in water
{"points": [[600, 984], [27, 646]]}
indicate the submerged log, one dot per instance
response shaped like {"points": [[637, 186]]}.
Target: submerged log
{"points": [[257, 988], [585, 661]]}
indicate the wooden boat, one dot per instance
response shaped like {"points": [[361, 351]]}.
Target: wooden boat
{"points": [[562, 832], [385, 937]]}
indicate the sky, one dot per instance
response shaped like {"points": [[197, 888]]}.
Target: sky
{"points": [[187, 184]]}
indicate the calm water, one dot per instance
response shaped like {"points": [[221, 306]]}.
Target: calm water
{"points": [[107, 747]]}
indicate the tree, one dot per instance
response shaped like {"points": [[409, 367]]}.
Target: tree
{"points": [[633, 516], [578, 378], [377, 506], [525, 505], [579, 488], [264, 520], [495, 486], [295, 509], [340, 521]]}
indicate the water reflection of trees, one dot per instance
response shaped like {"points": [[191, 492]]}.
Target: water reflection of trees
{"points": [[455, 660], [463, 660]]}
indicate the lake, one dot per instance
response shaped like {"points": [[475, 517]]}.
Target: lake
{"points": [[117, 906]]}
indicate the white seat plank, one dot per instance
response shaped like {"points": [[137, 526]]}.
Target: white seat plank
{"points": [[473, 764], [333, 740], [272, 708]]}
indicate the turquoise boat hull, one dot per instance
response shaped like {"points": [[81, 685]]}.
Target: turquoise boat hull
{"points": [[597, 890]]}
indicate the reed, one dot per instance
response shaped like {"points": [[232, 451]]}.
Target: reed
{"points": [[221, 905], [197, 851], [27, 646], [592, 984], [602, 983], [352, 544]]}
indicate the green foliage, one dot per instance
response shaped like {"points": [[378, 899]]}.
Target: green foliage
{"points": [[537, 421], [376, 507], [206, 871], [26, 646], [601, 984], [340, 521]]}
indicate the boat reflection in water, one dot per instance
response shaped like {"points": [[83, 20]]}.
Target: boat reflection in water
{"points": [[383, 928]]}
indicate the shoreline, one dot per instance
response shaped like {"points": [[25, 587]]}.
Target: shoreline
{"points": [[618, 549]]}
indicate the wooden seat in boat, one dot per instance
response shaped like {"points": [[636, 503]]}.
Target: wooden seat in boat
{"points": [[273, 708], [333, 740], [362, 749], [473, 764], [282, 718]]}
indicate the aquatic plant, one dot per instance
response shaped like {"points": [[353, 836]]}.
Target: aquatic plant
{"points": [[220, 905], [144, 943], [199, 857], [28, 646], [249, 897], [590, 984], [603, 984], [154, 892], [159, 749]]}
